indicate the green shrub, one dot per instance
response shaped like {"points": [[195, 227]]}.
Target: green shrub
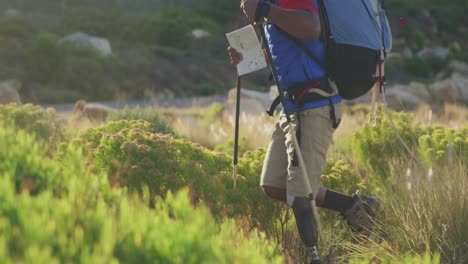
{"points": [[57, 211], [375, 146], [45, 59], [91, 21], [17, 28], [152, 115], [24, 159], [218, 10], [45, 125], [262, 211], [228, 147], [90, 139], [86, 75], [461, 55], [338, 176], [135, 157], [418, 67], [439, 146], [172, 26], [80, 69], [89, 228], [417, 38]]}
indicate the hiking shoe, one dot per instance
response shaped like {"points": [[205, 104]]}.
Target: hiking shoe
{"points": [[360, 217]]}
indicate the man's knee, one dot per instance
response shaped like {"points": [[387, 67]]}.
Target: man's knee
{"points": [[275, 193]]}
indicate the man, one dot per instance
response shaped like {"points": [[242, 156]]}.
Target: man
{"points": [[315, 109]]}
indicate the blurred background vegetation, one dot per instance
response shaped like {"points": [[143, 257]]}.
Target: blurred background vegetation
{"points": [[154, 52]]}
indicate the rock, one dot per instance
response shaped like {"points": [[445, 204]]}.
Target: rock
{"points": [[200, 34], [401, 96], [9, 92], [407, 53], [12, 12], [419, 90], [461, 84], [394, 58], [456, 46], [439, 53], [458, 67], [102, 45], [252, 102], [454, 89]]}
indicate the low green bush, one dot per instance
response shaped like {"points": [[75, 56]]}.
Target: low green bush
{"points": [[24, 159], [152, 115], [172, 26], [135, 157], [44, 58], [68, 214], [339, 176], [439, 146], [379, 148], [218, 10], [67, 67], [44, 124], [17, 28], [92, 21], [375, 146], [418, 67]]}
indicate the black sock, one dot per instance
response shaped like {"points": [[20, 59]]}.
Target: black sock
{"points": [[337, 201]]}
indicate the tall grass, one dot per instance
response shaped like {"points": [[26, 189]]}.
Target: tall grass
{"points": [[214, 127], [420, 221]]}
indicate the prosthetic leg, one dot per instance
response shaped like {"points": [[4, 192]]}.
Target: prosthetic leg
{"points": [[306, 226]]}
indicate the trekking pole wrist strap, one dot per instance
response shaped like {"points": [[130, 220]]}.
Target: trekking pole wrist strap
{"points": [[262, 10]]}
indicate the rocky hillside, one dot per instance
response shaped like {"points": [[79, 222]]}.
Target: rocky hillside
{"points": [[62, 51]]}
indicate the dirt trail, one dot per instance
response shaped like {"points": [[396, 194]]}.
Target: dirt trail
{"points": [[188, 102]]}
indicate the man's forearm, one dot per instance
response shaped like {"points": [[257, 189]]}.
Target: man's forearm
{"points": [[299, 23]]}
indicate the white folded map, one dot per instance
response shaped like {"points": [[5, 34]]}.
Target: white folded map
{"points": [[245, 41]]}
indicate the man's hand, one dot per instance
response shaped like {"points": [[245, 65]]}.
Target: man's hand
{"points": [[249, 7], [236, 57]]}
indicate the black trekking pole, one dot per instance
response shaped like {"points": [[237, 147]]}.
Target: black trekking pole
{"points": [[295, 140], [236, 134]]}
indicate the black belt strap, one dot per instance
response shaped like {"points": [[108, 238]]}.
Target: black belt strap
{"points": [[302, 93], [295, 160], [273, 106], [335, 123]]}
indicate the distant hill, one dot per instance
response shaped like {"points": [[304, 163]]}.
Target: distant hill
{"points": [[155, 54]]}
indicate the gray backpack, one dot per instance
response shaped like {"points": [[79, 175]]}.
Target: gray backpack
{"points": [[357, 37]]}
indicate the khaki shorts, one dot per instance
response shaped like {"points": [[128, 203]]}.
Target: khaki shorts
{"points": [[316, 135]]}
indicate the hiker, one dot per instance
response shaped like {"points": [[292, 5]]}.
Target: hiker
{"points": [[315, 110]]}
